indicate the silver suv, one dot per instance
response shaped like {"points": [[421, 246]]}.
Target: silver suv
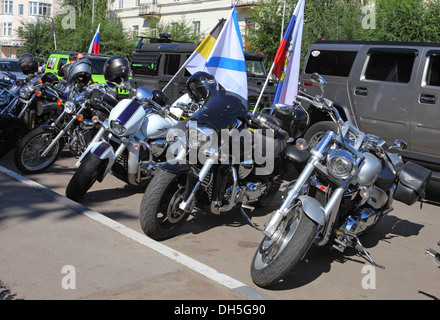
{"points": [[391, 89]]}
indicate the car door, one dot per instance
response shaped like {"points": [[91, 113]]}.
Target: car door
{"points": [[425, 121], [382, 92]]}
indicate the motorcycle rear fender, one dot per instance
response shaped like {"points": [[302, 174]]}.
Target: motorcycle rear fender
{"points": [[313, 209]]}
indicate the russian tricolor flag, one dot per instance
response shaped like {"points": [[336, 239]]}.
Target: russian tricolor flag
{"points": [[287, 58], [94, 45]]}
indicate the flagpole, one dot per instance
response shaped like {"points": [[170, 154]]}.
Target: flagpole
{"points": [[55, 39], [181, 68], [273, 65]]}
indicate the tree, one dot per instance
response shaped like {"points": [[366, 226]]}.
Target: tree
{"points": [[113, 38], [180, 30]]}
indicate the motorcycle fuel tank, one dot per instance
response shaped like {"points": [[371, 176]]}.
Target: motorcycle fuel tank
{"points": [[369, 170], [155, 126], [128, 113]]}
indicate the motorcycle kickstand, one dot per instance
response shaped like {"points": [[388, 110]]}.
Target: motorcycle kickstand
{"points": [[247, 217], [364, 250]]}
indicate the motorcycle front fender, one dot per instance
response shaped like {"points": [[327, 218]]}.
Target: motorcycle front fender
{"points": [[174, 167], [101, 150], [313, 209]]}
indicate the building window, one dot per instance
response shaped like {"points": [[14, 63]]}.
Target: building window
{"points": [[39, 9], [196, 27], [7, 29], [137, 3], [7, 7], [135, 31], [20, 9], [121, 4]]}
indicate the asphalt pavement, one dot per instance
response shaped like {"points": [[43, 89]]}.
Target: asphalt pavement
{"points": [[54, 248]]}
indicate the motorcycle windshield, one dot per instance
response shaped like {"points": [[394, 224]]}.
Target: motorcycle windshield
{"points": [[221, 111]]}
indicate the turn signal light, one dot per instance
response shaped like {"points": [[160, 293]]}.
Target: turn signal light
{"points": [[79, 117], [38, 94], [59, 102]]}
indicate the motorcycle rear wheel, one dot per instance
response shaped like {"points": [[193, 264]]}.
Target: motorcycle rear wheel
{"points": [[84, 177], [27, 155], [160, 216], [277, 256]]}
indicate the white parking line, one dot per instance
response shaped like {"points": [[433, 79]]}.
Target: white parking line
{"points": [[172, 254]]}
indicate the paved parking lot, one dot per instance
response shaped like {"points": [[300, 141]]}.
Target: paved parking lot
{"points": [[43, 236]]}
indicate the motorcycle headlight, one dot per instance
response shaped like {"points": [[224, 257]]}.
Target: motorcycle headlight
{"points": [[340, 164], [199, 136], [25, 92], [117, 127], [69, 107]]}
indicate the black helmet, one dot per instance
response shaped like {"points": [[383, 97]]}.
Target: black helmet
{"points": [[80, 72], [28, 63], [116, 69], [159, 97], [49, 77], [201, 85]]}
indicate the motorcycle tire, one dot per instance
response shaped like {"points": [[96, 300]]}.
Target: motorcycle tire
{"points": [[317, 131], [276, 258], [27, 156], [8, 135], [84, 177], [160, 217]]}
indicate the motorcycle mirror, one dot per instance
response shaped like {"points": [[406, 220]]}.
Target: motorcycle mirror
{"points": [[143, 94], [318, 80], [400, 144]]}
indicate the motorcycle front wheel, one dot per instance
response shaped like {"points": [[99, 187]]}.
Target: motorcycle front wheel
{"points": [[278, 255], [160, 216], [8, 134], [84, 177], [27, 155]]}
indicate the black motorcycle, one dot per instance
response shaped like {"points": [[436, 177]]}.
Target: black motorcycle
{"points": [[225, 158], [41, 147], [31, 103]]}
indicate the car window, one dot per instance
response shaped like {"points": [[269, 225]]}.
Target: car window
{"points": [[98, 65], [330, 62], [255, 68], [61, 63], [433, 74], [9, 66], [390, 66], [146, 64], [172, 63]]}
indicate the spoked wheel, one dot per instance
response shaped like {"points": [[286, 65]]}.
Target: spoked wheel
{"points": [[278, 255], [160, 215], [8, 134], [28, 153]]}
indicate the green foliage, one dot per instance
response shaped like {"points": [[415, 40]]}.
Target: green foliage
{"points": [[395, 20], [114, 40], [180, 31]]}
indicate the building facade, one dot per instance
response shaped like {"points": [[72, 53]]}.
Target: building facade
{"points": [[139, 16], [13, 13]]}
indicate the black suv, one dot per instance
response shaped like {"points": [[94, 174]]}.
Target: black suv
{"points": [[156, 62]]}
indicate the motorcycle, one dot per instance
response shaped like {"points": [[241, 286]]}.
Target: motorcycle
{"points": [[433, 253], [31, 103], [346, 187], [41, 147], [130, 144], [216, 165]]}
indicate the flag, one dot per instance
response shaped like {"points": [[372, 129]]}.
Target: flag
{"points": [[94, 45], [287, 58], [226, 62], [196, 62], [51, 31]]}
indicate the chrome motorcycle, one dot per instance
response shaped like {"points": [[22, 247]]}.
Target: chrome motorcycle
{"points": [[346, 187], [31, 103], [130, 144], [224, 158], [41, 147]]}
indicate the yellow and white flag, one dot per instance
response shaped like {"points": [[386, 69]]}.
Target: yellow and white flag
{"points": [[196, 62]]}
